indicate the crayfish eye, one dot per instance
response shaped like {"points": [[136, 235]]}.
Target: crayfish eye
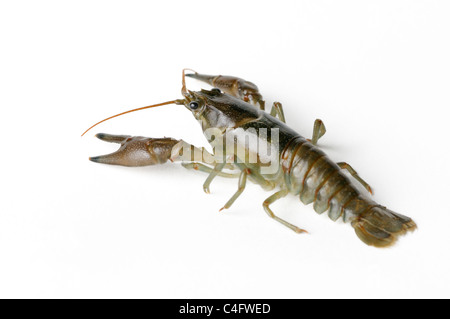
{"points": [[193, 105]]}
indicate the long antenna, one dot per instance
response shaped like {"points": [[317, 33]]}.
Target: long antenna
{"points": [[138, 109]]}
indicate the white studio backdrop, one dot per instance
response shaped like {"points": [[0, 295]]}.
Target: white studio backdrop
{"points": [[376, 72]]}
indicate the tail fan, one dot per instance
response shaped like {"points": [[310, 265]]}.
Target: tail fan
{"points": [[381, 227]]}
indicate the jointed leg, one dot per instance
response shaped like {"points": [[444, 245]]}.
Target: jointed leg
{"points": [[255, 176], [203, 168], [319, 128], [355, 175], [241, 187], [217, 169], [144, 151], [269, 212], [318, 131], [277, 110]]}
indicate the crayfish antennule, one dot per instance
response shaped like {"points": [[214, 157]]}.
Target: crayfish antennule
{"points": [[183, 81]]}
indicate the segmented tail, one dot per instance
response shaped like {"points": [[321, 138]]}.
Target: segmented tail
{"points": [[381, 227]]}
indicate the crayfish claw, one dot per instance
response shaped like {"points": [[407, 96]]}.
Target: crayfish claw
{"points": [[237, 87], [136, 150]]}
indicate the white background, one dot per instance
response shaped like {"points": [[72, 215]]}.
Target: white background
{"points": [[376, 72]]}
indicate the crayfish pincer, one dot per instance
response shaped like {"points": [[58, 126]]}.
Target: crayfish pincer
{"points": [[250, 144]]}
